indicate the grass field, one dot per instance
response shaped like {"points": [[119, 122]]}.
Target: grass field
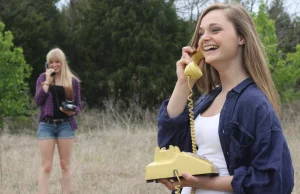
{"points": [[110, 154]]}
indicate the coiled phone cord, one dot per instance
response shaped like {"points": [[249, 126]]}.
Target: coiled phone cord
{"points": [[177, 187], [193, 137], [192, 123]]}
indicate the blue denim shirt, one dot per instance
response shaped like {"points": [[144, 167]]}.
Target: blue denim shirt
{"points": [[251, 137]]}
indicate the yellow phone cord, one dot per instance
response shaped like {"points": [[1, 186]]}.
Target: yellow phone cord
{"points": [[192, 123], [177, 187], [193, 137]]}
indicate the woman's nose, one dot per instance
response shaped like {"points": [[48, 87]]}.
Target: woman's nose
{"points": [[205, 36]]}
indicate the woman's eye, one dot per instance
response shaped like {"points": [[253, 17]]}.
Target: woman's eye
{"points": [[216, 30]]}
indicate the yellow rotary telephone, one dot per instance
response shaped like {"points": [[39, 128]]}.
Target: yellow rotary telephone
{"points": [[169, 164]]}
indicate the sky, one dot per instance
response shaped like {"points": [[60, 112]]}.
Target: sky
{"points": [[62, 3]]}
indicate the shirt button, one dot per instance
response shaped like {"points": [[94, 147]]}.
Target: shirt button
{"points": [[224, 108], [223, 131], [227, 153]]}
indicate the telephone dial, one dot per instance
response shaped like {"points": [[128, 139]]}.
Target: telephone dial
{"points": [[169, 164]]}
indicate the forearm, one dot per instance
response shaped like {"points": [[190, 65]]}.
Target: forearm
{"points": [[178, 99], [46, 87], [41, 92], [220, 183]]}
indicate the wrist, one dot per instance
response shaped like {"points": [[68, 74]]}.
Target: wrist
{"points": [[182, 82], [186, 83], [210, 184]]}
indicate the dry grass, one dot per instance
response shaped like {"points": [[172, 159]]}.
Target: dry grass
{"points": [[110, 154], [111, 161]]}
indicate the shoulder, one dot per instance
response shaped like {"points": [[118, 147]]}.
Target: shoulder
{"points": [[41, 77], [254, 112], [252, 98], [75, 80]]}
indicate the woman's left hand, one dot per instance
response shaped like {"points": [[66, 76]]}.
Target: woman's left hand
{"points": [[69, 113], [189, 180]]}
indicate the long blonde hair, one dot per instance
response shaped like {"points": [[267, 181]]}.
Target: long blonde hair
{"points": [[254, 55], [57, 54]]}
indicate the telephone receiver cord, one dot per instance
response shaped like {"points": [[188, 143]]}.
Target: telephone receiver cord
{"points": [[193, 137]]}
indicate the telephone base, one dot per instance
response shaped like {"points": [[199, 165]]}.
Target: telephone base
{"points": [[166, 162], [175, 178]]}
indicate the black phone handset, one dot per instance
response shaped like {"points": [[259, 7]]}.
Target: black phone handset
{"points": [[170, 163], [47, 67]]}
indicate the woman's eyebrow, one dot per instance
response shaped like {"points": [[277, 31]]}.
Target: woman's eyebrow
{"points": [[210, 25]]}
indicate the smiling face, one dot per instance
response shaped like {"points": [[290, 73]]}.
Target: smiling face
{"points": [[56, 65], [56, 60], [218, 39]]}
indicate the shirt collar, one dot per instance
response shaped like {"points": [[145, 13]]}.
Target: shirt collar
{"points": [[243, 85]]}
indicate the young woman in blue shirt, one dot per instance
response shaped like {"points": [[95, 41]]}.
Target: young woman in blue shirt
{"points": [[236, 118]]}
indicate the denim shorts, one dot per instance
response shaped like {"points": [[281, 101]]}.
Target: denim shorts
{"points": [[55, 131]]}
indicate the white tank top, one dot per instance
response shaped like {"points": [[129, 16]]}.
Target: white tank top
{"points": [[208, 142]]}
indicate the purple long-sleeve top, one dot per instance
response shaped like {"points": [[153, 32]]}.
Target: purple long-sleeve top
{"points": [[45, 100]]}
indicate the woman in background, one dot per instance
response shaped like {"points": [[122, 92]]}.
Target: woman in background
{"points": [[56, 124]]}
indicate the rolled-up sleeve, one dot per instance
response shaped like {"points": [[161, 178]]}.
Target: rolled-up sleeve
{"points": [[172, 131], [40, 95], [77, 96], [270, 170]]}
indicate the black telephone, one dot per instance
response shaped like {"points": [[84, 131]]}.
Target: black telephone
{"points": [[47, 67]]}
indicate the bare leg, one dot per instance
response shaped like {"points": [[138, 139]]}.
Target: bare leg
{"points": [[65, 153], [47, 147]]}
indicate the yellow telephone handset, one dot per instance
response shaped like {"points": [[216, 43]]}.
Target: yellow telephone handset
{"points": [[192, 70]]}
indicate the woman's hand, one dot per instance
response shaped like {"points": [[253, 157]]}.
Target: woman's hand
{"points": [[187, 52], [69, 113], [49, 78], [218, 183], [189, 180]]}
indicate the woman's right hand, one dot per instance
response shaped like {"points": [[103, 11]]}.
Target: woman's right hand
{"points": [[187, 52], [49, 78], [177, 102]]}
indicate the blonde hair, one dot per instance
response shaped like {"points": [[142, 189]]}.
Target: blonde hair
{"points": [[66, 74], [254, 56]]}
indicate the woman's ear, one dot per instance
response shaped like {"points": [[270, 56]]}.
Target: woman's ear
{"points": [[241, 40]]}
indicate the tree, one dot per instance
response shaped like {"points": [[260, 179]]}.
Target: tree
{"points": [[248, 4], [37, 28], [285, 71], [14, 96], [190, 9], [287, 76], [267, 34], [128, 49], [283, 26]]}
